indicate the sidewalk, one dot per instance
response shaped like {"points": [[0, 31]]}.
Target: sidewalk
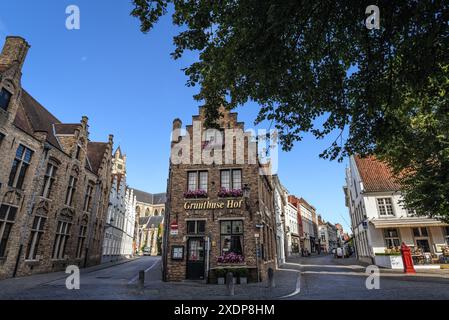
{"points": [[285, 284], [439, 273], [10, 285]]}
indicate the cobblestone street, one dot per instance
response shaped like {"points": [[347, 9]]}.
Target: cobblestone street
{"points": [[315, 277]]}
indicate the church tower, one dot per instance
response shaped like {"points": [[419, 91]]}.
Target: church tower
{"points": [[119, 163]]}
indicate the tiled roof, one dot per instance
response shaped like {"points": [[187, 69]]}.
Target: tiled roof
{"points": [[66, 128], [376, 175], [155, 221], [33, 117], [145, 197], [95, 153], [143, 220], [304, 202]]}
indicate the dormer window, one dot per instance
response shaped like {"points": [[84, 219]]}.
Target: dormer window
{"points": [[5, 98]]}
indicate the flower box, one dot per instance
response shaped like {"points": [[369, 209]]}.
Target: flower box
{"points": [[231, 258], [196, 194], [230, 193]]}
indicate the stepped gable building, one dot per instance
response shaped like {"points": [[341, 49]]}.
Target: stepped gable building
{"points": [[54, 181], [381, 223], [220, 214], [119, 234]]}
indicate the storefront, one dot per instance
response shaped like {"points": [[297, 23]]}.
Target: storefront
{"points": [[221, 217], [427, 241]]}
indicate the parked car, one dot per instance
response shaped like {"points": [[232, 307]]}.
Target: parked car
{"points": [[146, 251], [340, 253]]}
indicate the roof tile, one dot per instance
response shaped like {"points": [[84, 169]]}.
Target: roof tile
{"points": [[376, 175]]}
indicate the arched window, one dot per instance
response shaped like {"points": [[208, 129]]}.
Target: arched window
{"points": [[147, 212], [138, 210], [156, 213]]}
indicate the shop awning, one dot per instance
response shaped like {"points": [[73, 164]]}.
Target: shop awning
{"points": [[406, 222]]}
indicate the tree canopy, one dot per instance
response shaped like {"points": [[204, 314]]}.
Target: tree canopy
{"points": [[384, 91]]}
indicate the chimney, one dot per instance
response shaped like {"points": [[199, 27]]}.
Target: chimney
{"points": [[14, 51], [176, 131]]}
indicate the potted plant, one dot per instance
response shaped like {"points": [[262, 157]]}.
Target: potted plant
{"points": [[243, 275], [220, 273]]}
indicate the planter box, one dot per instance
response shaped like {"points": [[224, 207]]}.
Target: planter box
{"points": [[389, 262], [221, 280], [243, 280]]}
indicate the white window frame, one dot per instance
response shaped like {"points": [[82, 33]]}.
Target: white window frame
{"points": [[389, 238], [384, 206]]}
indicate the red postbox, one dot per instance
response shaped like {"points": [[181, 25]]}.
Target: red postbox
{"points": [[407, 259]]}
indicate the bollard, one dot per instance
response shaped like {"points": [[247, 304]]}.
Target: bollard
{"points": [[271, 278], [141, 279], [230, 284]]}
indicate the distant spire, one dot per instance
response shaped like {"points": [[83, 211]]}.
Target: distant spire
{"points": [[119, 152]]}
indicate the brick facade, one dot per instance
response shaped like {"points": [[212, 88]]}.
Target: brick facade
{"points": [[256, 211], [31, 136]]}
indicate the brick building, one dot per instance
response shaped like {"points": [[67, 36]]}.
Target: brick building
{"points": [[220, 214], [54, 182]]}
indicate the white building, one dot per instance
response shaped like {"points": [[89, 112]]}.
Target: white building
{"points": [[280, 203], [381, 224], [120, 223], [327, 235]]}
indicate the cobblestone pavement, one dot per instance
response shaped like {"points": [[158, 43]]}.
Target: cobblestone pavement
{"points": [[315, 277], [324, 277]]}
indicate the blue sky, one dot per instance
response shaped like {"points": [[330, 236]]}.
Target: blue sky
{"points": [[128, 85]]}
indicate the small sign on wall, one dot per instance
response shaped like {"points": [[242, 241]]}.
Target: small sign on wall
{"points": [[177, 252], [174, 228]]}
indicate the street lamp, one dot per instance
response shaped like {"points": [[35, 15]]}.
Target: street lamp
{"points": [[246, 193]]}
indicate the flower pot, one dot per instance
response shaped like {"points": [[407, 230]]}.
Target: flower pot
{"points": [[243, 280], [221, 280]]}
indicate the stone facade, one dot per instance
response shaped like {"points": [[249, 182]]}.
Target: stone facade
{"points": [[119, 235], [54, 182], [200, 234], [150, 213]]}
